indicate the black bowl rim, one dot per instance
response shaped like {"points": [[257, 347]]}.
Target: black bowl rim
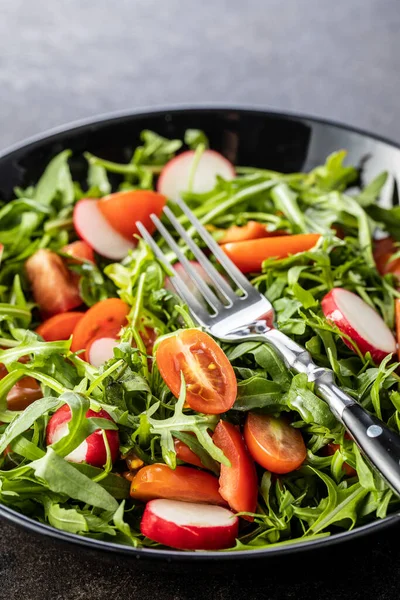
{"points": [[178, 555]]}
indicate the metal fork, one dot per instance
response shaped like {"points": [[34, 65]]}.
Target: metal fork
{"points": [[250, 316]]}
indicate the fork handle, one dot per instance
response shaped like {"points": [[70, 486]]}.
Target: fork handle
{"points": [[379, 444]]}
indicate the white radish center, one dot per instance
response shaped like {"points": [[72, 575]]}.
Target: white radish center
{"points": [[79, 454], [189, 513], [365, 320], [102, 350]]}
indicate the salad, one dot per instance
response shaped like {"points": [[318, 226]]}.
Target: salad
{"points": [[122, 421]]}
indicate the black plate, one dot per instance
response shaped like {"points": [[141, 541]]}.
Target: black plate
{"points": [[247, 137]]}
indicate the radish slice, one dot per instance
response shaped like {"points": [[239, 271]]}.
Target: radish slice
{"points": [[92, 450], [189, 526], [95, 230], [174, 178], [100, 350], [360, 322]]}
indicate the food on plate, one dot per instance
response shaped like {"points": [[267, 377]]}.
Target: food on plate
{"points": [[94, 449], [129, 423], [189, 526]]}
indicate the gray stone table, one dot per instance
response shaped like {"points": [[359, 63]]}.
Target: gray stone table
{"points": [[62, 61]]}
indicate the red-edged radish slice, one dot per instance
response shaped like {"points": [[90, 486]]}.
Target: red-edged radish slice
{"points": [[360, 322], [175, 176], [189, 526], [100, 350], [92, 450], [94, 229]]}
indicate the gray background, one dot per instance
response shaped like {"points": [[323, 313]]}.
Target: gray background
{"points": [[65, 60], [69, 59]]}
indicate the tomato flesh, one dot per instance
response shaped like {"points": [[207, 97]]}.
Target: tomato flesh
{"points": [[123, 209], [211, 385], [59, 327], [251, 231], [24, 392], [274, 444], [383, 252], [54, 288], [79, 251], [104, 319], [185, 454], [183, 483], [238, 483]]}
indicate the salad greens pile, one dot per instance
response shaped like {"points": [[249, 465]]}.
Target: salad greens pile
{"points": [[318, 499]]}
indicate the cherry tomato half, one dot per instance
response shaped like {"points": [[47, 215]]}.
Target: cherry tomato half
{"points": [[123, 209], [209, 376], [59, 327], [54, 287], [238, 483], [383, 252], [183, 483], [24, 392], [79, 251], [251, 231], [104, 319], [273, 443]]}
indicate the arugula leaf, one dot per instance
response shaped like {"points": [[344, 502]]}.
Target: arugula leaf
{"points": [[61, 477]]}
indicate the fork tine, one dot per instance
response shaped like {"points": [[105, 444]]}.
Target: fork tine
{"points": [[193, 274], [198, 310], [233, 272], [217, 279]]}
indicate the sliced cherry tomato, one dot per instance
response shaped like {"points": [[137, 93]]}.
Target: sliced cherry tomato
{"points": [[123, 209], [184, 453], [383, 252], [330, 450], [104, 319], [249, 256], [59, 327], [211, 385], [183, 483], [251, 231], [23, 393], [238, 483], [79, 250], [54, 288], [274, 444]]}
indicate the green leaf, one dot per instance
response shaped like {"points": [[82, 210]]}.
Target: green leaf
{"points": [[286, 201], [258, 392], [24, 420], [97, 178], [123, 527], [370, 194], [311, 408], [61, 477], [116, 486], [66, 519], [195, 137], [56, 178]]}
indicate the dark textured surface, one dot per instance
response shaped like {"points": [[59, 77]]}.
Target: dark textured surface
{"points": [[60, 61]]}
